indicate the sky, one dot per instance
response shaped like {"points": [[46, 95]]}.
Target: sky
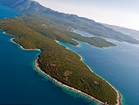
{"points": [[123, 13]]}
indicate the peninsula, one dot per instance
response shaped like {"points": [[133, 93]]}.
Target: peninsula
{"points": [[62, 65], [38, 28]]}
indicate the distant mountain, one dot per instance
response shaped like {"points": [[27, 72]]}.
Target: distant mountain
{"points": [[127, 31], [67, 20]]}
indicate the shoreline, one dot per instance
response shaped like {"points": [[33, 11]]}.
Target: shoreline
{"points": [[76, 90], [118, 94], [36, 64], [66, 86], [12, 40], [63, 85]]}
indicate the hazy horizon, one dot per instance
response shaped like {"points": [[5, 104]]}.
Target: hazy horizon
{"points": [[122, 13]]}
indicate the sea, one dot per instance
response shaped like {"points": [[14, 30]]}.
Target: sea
{"points": [[21, 83]]}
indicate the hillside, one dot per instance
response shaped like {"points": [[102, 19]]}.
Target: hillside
{"points": [[55, 32], [68, 20]]}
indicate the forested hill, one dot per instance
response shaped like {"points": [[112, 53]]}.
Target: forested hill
{"points": [[67, 20]]}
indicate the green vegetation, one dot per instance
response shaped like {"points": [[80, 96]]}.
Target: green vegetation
{"points": [[56, 60], [60, 33], [96, 41]]}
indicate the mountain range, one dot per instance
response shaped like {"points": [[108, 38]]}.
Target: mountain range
{"points": [[68, 20]]}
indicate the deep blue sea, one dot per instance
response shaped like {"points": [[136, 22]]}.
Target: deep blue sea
{"points": [[21, 83]]}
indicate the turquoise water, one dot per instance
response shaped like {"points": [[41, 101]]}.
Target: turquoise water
{"points": [[21, 83], [118, 65]]}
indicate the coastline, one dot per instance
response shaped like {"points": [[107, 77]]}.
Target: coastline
{"points": [[66, 86], [76, 90], [63, 85], [12, 40], [118, 94]]}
